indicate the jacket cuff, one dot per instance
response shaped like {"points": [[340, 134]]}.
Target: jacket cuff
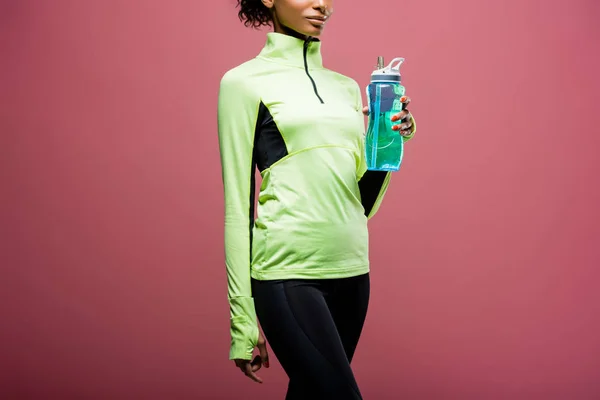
{"points": [[243, 329], [413, 130]]}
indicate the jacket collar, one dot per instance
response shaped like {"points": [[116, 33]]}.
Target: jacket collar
{"points": [[290, 50]]}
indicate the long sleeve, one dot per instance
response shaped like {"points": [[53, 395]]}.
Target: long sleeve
{"points": [[237, 114], [373, 185]]}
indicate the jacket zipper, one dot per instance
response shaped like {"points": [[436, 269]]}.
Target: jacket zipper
{"points": [[306, 43]]}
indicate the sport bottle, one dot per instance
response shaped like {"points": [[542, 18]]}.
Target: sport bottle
{"points": [[384, 147]]}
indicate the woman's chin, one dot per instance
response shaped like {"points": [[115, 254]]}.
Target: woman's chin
{"points": [[317, 28], [313, 31], [309, 29]]}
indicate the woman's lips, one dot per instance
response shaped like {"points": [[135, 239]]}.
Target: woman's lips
{"points": [[318, 21]]}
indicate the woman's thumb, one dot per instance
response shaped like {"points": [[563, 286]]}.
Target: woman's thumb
{"points": [[264, 355]]}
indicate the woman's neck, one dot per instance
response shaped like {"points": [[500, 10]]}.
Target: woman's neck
{"points": [[280, 28]]}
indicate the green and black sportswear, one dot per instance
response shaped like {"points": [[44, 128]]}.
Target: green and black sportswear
{"points": [[302, 126]]}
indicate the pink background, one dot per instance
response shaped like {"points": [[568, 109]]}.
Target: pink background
{"points": [[485, 254]]}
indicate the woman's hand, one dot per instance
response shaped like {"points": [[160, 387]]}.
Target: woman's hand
{"points": [[250, 367], [404, 116]]}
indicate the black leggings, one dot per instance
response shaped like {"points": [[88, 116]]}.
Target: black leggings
{"points": [[313, 327]]}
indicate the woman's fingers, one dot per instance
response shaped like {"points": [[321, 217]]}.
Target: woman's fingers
{"points": [[257, 363], [262, 348], [403, 127], [405, 100], [250, 373], [247, 368], [402, 115]]}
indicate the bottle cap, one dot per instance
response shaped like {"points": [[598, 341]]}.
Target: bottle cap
{"points": [[391, 73]]}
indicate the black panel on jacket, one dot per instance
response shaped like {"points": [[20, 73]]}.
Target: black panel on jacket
{"points": [[370, 185], [269, 146]]}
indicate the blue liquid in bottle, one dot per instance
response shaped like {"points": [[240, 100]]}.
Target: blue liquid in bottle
{"points": [[384, 147]]}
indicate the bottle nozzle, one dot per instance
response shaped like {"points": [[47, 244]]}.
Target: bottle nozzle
{"points": [[391, 72], [399, 61]]}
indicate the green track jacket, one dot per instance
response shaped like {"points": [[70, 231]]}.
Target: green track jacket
{"points": [[301, 125]]}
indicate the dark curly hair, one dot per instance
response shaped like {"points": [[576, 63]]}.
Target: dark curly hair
{"points": [[254, 13]]}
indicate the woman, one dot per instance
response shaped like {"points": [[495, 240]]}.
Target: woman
{"points": [[302, 266]]}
